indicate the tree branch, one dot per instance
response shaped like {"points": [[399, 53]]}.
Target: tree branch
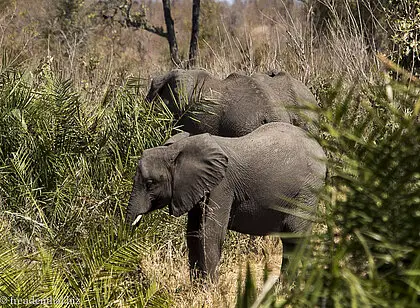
{"points": [[138, 21], [143, 24]]}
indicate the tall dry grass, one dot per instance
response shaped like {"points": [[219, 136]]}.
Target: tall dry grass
{"points": [[106, 70]]}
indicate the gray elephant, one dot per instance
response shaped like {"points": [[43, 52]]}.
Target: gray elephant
{"points": [[235, 106], [257, 184]]}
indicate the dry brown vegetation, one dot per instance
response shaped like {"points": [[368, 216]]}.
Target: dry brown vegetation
{"points": [[254, 37], [168, 266], [100, 56], [251, 37]]}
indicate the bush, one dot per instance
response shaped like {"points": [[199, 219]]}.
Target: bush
{"points": [[404, 17], [66, 168]]}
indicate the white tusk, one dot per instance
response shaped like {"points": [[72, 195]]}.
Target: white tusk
{"points": [[135, 222]]}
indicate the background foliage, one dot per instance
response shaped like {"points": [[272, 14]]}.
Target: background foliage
{"points": [[73, 123]]}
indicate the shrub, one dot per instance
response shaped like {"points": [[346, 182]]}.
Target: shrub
{"points": [[66, 166]]}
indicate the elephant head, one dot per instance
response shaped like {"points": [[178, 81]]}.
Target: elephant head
{"points": [[177, 174], [178, 87]]}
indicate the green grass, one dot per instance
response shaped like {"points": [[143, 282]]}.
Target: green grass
{"points": [[65, 176]]}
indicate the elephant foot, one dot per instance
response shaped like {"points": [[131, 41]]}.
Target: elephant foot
{"points": [[199, 278]]}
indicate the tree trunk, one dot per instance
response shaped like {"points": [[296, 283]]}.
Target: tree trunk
{"points": [[170, 29], [194, 33]]}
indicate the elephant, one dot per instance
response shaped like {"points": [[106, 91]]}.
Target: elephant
{"points": [[235, 106], [261, 183]]}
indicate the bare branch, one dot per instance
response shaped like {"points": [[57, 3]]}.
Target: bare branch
{"points": [[137, 21]]}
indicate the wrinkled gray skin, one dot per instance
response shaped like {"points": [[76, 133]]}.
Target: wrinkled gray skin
{"points": [[236, 105], [231, 183]]}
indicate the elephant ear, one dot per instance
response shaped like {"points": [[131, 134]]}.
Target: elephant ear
{"points": [[176, 138], [177, 83], [199, 167], [156, 85], [165, 85]]}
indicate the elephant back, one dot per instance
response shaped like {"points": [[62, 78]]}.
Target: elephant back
{"points": [[232, 107], [291, 93], [275, 144]]}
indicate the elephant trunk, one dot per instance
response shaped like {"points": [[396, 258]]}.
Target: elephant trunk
{"points": [[136, 208]]}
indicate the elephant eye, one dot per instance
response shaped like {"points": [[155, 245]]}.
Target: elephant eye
{"points": [[149, 184]]}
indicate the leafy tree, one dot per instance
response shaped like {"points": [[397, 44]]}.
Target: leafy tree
{"points": [[404, 20], [67, 13]]}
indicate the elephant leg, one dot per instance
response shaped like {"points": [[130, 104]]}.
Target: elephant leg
{"points": [[206, 230], [193, 227], [289, 247], [296, 224]]}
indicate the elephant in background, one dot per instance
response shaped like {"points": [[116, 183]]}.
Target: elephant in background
{"points": [[234, 106], [261, 183]]}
